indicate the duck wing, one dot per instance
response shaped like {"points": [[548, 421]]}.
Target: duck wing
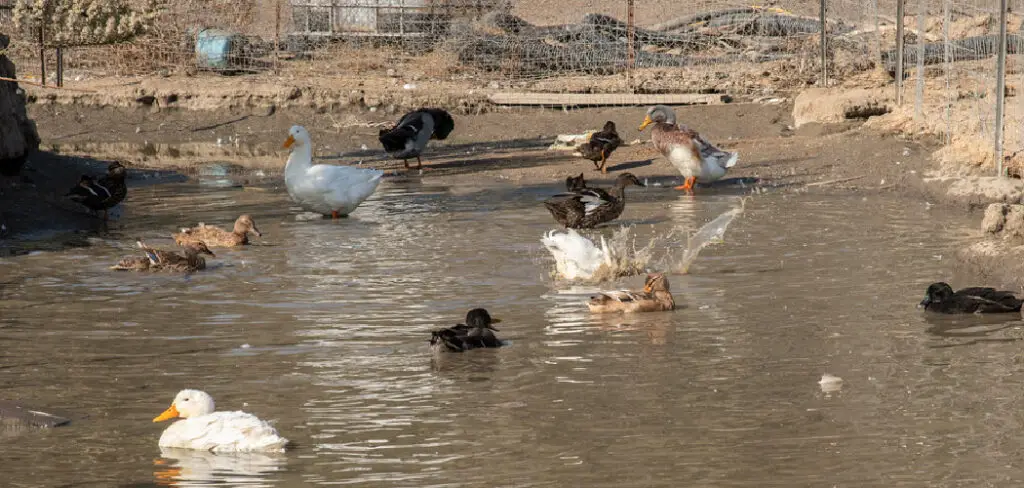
{"points": [[990, 300], [443, 123], [403, 137], [623, 296], [711, 153]]}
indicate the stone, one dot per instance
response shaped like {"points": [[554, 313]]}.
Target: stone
{"points": [[18, 135]]}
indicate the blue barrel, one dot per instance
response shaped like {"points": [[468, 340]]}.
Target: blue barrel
{"points": [[213, 48]]}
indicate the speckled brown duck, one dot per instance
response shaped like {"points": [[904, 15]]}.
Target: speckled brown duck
{"points": [[160, 260], [655, 297], [214, 236]]}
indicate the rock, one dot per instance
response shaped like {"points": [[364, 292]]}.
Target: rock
{"points": [[18, 135], [995, 218], [1005, 220], [834, 105], [14, 414]]}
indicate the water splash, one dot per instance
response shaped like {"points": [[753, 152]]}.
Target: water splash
{"points": [[710, 233]]}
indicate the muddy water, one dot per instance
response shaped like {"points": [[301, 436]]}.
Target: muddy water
{"points": [[322, 327]]}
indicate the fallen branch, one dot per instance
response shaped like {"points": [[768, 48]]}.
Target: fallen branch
{"points": [[15, 80], [838, 180]]}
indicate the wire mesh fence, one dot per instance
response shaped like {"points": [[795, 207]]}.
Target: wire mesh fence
{"points": [[592, 46]]}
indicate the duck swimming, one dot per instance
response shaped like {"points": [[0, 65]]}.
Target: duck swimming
{"points": [[655, 297], [575, 183], [692, 155], [100, 196], [324, 188], [588, 207], [409, 137], [476, 333], [941, 298], [204, 429], [158, 260], [214, 236], [600, 145]]}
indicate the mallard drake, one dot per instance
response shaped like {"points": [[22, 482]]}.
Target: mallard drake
{"points": [[575, 183], [101, 195], [691, 154], [941, 298], [600, 145], [586, 208], [214, 236], [324, 188], [204, 429], [410, 135], [158, 260], [477, 332], [655, 297]]}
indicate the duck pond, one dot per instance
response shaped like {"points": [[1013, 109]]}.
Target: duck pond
{"points": [[322, 328]]}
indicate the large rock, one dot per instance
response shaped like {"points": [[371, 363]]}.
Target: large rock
{"points": [[18, 136]]}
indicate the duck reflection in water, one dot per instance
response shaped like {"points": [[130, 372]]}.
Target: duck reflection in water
{"points": [[188, 467]]}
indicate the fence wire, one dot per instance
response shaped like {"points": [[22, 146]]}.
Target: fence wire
{"points": [[589, 46]]}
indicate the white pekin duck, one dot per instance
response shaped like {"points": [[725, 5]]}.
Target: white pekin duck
{"points": [[691, 154], [576, 257], [324, 188], [203, 429], [409, 137]]}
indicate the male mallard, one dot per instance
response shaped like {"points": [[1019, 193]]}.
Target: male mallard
{"points": [[477, 332], [214, 236], [575, 183], [691, 154], [324, 188], [157, 260], [101, 195], [941, 298], [586, 208], [656, 297], [600, 145], [410, 135]]}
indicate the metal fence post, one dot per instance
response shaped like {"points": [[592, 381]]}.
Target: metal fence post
{"points": [[277, 36], [1000, 87], [60, 66], [899, 52], [922, 12], [824, 45], [42, 57], [630, 53]]}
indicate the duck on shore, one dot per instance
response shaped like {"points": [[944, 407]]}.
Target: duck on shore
{"points": [[409, 137], [692, 155]]}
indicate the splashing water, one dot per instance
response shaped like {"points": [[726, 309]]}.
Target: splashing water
{"points": [[578, 258]]}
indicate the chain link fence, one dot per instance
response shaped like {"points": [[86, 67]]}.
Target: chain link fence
{"points": [[614, 47]]}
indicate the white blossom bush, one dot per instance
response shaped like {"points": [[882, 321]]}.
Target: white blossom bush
{"points": [[85, 22]]}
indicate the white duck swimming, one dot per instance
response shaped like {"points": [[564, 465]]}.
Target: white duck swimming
{"points": [[206, 430], [576, 257], [324, 188], [691, 154]]}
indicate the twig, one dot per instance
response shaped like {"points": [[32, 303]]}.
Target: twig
{"points": [[838, 180], [4, 78]]}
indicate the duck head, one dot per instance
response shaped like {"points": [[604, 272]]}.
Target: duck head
{"points": [[626, 179], [245, 224], [198, 247], [186, 404], [937, 292], [659, 113], [573, 183], [297, 137], [479, 318], [655, 282], [116, 170], [609, 127]]}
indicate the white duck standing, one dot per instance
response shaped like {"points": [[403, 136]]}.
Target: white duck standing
{"points": [[691, 154], [324, 188], [206, 430]]}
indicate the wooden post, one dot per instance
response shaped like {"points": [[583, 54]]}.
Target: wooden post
{"points": [[899, 52], [1000, 87], [630, 47], [824, 44], [42, 57]]}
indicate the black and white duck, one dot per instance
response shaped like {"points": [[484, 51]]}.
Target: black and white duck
{"points": [[477, 332], [600, 145], [103, 194], [588, 207], [414, 130], [941, 298]]}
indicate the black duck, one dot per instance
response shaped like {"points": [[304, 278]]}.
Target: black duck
{"points": [[600, 146], [410, 135], [99, 196], [476, 333], [941, 298], [586, 208]]}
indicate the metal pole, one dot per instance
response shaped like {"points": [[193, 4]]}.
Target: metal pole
{"points": [[922, 12], [630, 53], [277, 36], [824, 46], [60, 66], [1000, 86], [899, 52], [42, 57]]}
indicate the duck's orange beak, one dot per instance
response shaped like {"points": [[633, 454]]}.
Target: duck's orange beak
{"points": [[289, 141], [170, 413], [647, 121], [648, 289]]}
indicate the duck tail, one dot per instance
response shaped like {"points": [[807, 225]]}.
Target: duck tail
{"points": [[733, 158]]}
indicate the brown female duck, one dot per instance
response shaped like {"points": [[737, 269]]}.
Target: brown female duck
{"points": [[588, 207], [655, 297], [158, 260], [103, 194], [214, 236], [600, 145]]}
